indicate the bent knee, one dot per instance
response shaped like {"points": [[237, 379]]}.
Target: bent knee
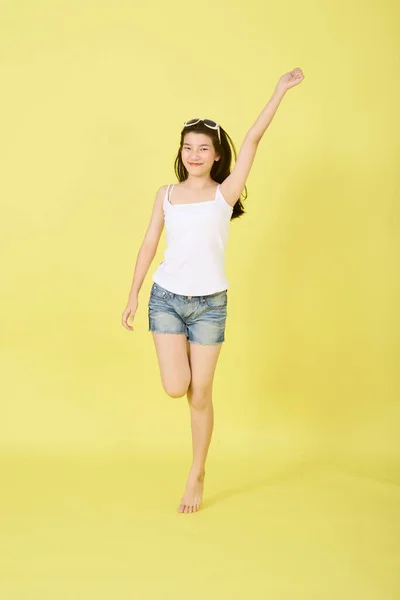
{"points": [[176, 390]]}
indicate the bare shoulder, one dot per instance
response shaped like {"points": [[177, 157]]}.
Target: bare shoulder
{"points": [[162, 190], [160, 194], [229, 193]]}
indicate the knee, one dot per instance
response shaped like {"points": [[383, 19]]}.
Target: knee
{"points": [[176, 390], [200, 398]]}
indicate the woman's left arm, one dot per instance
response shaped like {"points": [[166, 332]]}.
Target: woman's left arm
{"points": [[232, 187]]}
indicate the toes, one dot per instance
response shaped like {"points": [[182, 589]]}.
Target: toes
{"points": [[189, 508]]}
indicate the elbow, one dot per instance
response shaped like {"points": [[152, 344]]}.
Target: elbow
{"points": [[253, 137]]}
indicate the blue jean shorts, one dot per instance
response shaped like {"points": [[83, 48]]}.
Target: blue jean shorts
{"points": [[201, 318]]}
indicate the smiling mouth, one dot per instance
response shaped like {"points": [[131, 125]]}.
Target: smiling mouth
{"points": [[195, 164]]}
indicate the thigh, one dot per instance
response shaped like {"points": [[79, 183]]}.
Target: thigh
{"points": [[173, 361], [203, 362]]}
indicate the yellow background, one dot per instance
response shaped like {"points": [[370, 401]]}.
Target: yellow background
{"points": [[302, 487]]}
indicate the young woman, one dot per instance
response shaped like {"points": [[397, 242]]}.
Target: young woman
{"points": [[187, 308]]}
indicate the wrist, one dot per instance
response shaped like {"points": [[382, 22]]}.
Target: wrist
{"points": [[280, 90]]}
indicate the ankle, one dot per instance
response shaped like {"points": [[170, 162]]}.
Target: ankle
{"points": [[198, 471]]}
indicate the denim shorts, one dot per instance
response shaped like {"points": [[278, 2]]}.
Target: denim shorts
{"points": [[201, 318]]}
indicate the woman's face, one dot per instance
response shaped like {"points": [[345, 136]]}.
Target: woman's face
{"points": [[198, 153]]}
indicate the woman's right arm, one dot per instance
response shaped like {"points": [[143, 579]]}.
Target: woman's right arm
{"points": [[145, 256]]}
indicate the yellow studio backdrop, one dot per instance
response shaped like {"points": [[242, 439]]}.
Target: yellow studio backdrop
{"points": [[302, 488]]}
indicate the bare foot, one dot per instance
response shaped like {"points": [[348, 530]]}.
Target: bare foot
{"points": [[191, 499]]}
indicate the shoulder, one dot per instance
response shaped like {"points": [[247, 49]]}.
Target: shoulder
{"points": [[163, 189], [160, 194]]}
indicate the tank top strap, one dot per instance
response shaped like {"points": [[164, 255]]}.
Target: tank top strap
{"points": [[167, 195], [219, 197]]}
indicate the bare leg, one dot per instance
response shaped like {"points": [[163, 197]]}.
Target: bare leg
{"points": [[202, 423], [199, 395]]}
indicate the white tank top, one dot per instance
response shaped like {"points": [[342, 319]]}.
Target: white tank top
{"points": [[196, 236]]}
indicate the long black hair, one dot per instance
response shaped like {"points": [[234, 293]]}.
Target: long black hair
{"points": [[221, 168]]}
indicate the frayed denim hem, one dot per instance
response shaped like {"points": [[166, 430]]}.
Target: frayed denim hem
{"points": [[207, 344], [190, 341], [175, 332]]}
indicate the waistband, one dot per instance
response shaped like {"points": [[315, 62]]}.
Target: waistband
{"points": [[172, 294]]}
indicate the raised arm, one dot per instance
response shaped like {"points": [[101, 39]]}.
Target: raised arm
{"points": [[232, 187]]}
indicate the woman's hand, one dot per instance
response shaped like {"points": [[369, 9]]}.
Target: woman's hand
{"points": [[289, 80], [129, 313]]}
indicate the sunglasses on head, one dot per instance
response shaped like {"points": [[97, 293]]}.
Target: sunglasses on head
{"points": [[208, 122]]}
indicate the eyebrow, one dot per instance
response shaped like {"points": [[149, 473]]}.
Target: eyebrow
{"points": [[187, 144]]}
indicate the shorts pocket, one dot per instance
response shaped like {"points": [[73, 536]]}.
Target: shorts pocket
{"points": [[218, 300]]}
